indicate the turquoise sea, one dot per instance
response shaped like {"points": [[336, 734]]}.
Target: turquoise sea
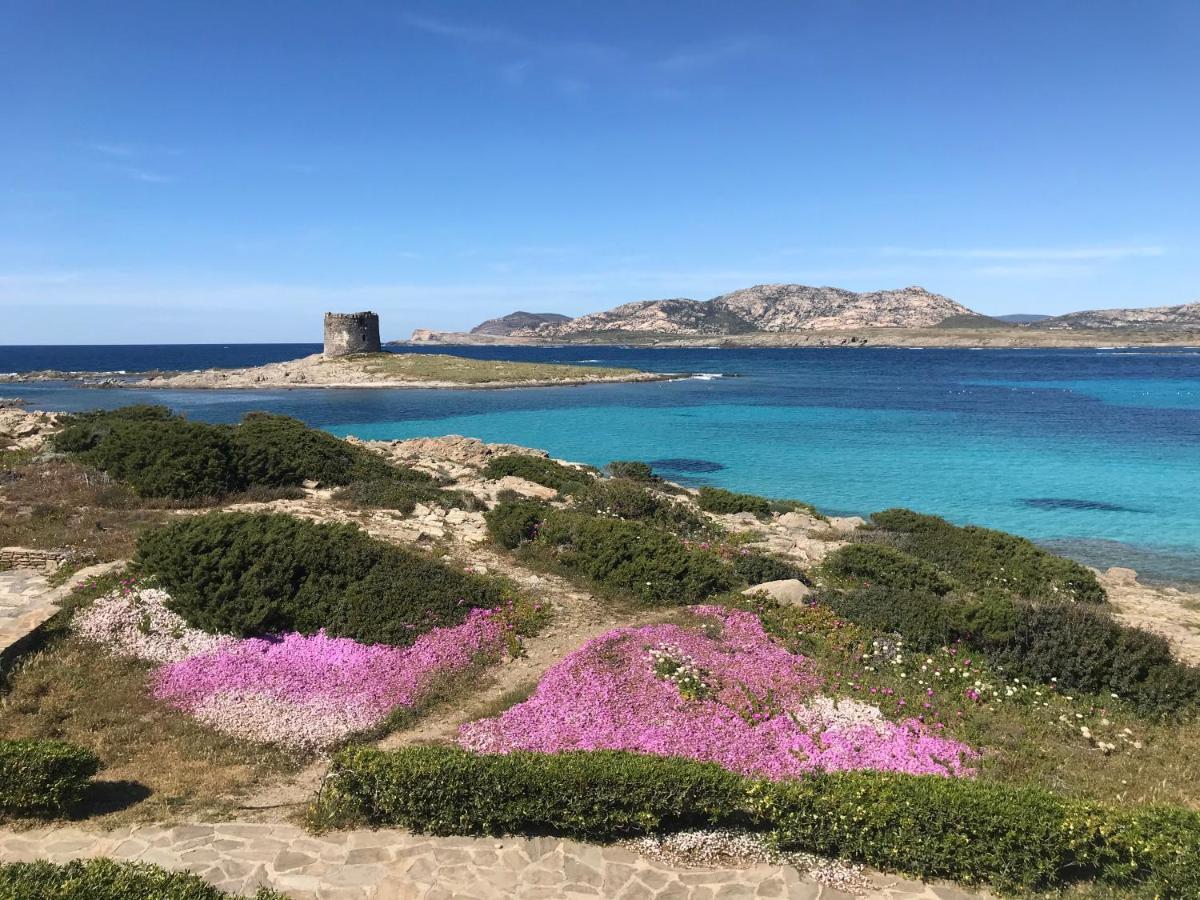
{"points": [[1094, 452]]}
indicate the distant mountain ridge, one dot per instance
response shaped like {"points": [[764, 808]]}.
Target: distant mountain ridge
{"points": [[766, 308], [513, 322], [1183, 317]]}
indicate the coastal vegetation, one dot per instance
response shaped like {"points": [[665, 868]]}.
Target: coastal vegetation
{"points": [[164, 455], [1017, 839], [104, 879], [443, 368], [43, 777], [940, 700]]}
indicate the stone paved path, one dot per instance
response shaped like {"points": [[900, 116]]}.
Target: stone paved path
{"points": [[27, 600], [396, 865]]}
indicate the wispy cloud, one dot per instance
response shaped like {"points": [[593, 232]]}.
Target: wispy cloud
{"points": [[129, 160], [121, 151], [707, 55], [146, 175], [570, 67], [1092, 254]]}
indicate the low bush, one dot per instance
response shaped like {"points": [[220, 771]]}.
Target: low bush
{"points": [[636, 558], [622, 498], [637, 471], [1078, 648], [874, 565], [169, 458], [598, 795], [538, 469], [719, 500], [42, 777], [164, 455], [515, 522], [1016, 838], [104, 879], [756, 568], [403, 496], [249, 574], [277, 451], [984, 559]]}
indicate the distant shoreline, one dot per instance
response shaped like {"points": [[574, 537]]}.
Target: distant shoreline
{"points": [[374, 371], [932, 338]]}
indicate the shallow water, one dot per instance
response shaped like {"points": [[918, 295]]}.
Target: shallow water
{"points": [[1097, 451]]}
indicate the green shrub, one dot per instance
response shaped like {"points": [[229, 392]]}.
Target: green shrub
{"points": [[874, 565], [930, 826], [1080, 648], [39, 777], [719, 500], [81, 432], [622, 498], [278, 451], [515, 522], [636, 558], [636, 471], [597, 795], [169, 458], [251, 574], [1090, 652], [983, 559], [538, 469], [104, 879], [972, 831], [403, 496], [756, 568], [163, 455]]}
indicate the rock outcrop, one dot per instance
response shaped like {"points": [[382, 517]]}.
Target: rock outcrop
{"points": [[518, 321], [1185, 318], [767, 308]]}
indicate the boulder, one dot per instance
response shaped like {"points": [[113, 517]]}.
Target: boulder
{"points": [[789, 591]]}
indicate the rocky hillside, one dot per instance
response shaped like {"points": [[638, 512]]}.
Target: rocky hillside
{"points": [[1186, 316], [767, 308], [517, 321]]}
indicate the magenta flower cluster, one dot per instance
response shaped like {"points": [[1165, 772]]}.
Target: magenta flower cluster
{"points": [[762, 713], [309, 692]]}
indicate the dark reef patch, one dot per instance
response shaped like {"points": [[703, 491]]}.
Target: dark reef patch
{"points": [[1072, 503], [684, 464]]}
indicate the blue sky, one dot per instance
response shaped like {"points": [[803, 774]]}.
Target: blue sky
{"points": [[216, 171]]}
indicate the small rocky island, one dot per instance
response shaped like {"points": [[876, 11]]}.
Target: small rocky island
{"points": [[353, 358]]}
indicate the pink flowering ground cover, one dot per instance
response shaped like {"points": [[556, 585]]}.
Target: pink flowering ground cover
{"points": [[309, 692], [724, 693]]}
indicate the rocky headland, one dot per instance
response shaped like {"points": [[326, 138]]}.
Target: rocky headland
{"points": [[793, 315], [368, 370]]}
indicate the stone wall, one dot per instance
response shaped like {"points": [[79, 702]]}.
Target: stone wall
{"points": [[46, 560], [347, 333]]}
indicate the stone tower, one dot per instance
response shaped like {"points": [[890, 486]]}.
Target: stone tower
{"points": [[347, 333]]}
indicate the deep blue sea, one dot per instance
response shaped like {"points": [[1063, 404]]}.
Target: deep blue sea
{"points": [[1094, 452]]}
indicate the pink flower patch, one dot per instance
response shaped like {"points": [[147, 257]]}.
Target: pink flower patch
{"points": [[309, 692], [759, 715]]}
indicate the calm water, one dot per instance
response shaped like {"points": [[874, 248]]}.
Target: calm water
{"points": [[1096, 452]]}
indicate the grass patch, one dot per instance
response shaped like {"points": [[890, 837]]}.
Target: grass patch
{"points": [[462, 370], [159, 765]]}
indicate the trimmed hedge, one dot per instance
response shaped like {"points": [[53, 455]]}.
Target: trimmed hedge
{"points": [[250, 574], [988, 560], [164, 455], [1015, 838], [43, 777], [104, 879], [719, 500], [597, 795], [538, 469]]}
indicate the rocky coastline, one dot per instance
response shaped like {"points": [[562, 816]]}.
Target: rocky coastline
{"points": [[383, 370]]}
